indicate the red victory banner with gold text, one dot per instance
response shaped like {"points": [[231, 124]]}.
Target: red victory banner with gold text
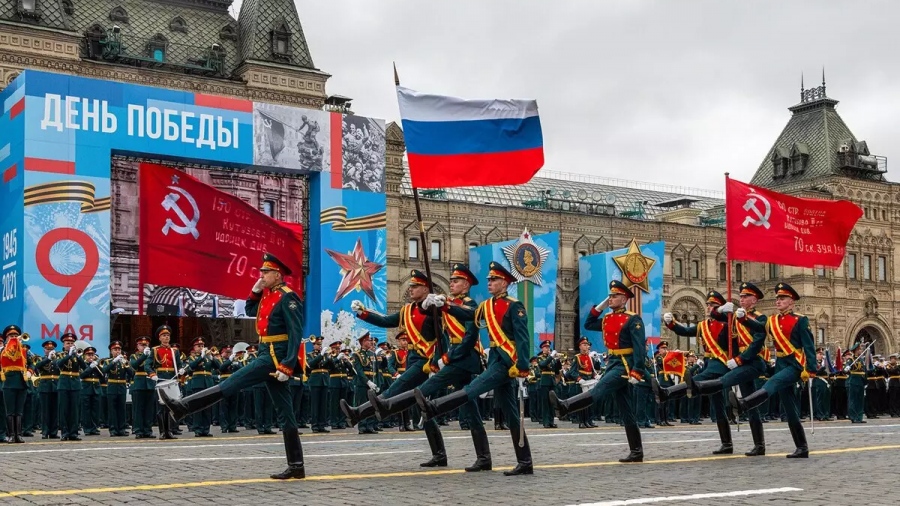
{"points": [[766, 226], [195, 236]]}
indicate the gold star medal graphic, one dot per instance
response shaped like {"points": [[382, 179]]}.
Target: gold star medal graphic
{"points": [[635, 267]]}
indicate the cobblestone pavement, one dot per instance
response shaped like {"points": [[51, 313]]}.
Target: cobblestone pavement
{"points": [[571, 467]]}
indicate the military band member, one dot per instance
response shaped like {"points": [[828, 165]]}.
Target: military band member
{"points": [[419, 324], [164, 364], [16, 371], [796, 360], [717, 344], [318, 386], [230, 403], [456, 367], [143, 398], [507, 326], [624, 336], [549, 366], [399, 367], [664, 409], [200, 364], [839, 388], [49, 373], [856, 384], [336, 390], [893, 373], [279, 323], [365, 368], [117, 371], [69, 387], [745, 367], [586, 368], [821, 388], [90, 392]]}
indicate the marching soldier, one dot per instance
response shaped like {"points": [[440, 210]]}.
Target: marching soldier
{"points": [[507, 325], [717, 344], [116, 369], [90, 392], [796, 360], [69, 387], [318, 386], [16, 371], [585, 368], [230, 404], [365, 366], [856, 385], [46, 367], [456, 367], [143, 402], [419, 324], [279, 323], [624, 336], [201, 366], [549, 367]]}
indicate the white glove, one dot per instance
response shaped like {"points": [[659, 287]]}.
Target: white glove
{"points": [[341, 356], [71, 351], [202, 352], [93, 365], [357, 306], [740, 312], [440, 364], [727, 307], [119, 359], [372, 385], [258, 287], [847, 368], [182, 371], [231, 357], [440, 300], [324, 351], [594, 354], [1, 347], [668, 318], [428, 301], [732, 364], [379, 353], [50, 355], [602, 306], [282, 377], [554, 353], [147, 351], [597, 376], [633, 380]]}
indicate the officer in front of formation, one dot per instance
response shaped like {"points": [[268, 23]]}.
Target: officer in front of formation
{"points": [[118, 372], [68, 389], [143, 397], [16, 371], [49, 373], [624, 336], [318, 386]]}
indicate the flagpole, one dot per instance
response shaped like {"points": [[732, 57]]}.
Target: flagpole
{"points": [[436, 318], [728, 275]]}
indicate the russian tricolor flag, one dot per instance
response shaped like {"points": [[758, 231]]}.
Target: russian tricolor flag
{"points": [[454, 142]]}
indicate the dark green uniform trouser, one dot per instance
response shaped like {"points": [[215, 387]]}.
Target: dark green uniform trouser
{"points": [[90, 411], [49, 413], [115, 409], [143, 406], [69, 404], [229, 413], [547, 414], [263, 409], [318, 409], [14, 401], [360, 396], [259, 371], [201, 420], [856, 398]]}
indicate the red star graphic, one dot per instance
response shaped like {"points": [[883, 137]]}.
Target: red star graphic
{"points": [[357, 271]]}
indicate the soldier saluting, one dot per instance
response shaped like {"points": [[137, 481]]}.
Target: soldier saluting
{"points": [[279, 322]]}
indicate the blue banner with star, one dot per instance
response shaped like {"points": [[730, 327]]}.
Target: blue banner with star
{"points": [[640, 268]]}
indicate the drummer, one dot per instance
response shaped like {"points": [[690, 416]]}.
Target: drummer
{"points": [[163, 363], [586, 371]]}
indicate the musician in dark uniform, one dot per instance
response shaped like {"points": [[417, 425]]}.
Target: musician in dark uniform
{"points": [[856, 384], [419, 324], [586, 367], [279, 323], [17, 371], [318, 386], [46, 367], [231, 363], [143, 398], [624, 336], [201, 365], [892, 368], [507, 326], [117, 371], [68, 389], [839, 387], [365, 368], [163, 364], [456, 366], [713, 333], [796, 354], [549, 366]]}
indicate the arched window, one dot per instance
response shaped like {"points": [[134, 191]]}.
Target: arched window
{"points": [[413, 248], [677, 268]]}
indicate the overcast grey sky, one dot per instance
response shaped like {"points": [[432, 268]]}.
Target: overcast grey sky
{"points": [[659, 91]]}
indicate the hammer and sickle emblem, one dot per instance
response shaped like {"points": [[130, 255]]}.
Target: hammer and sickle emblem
{"points": [[762, 216], [188, 225]]}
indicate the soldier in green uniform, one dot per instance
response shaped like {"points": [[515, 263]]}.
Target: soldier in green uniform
{"points": [[549, 367], [90, 392], [16, 371], [507, 326], [143, 400], [821, 388], [318, 386], [201, 366], [336, 376], [365, 367], [46, 367], [796, 360], [690, 406], [399, 366], [117, 371], [839, 387], [856, 385], [456, 366], [624, 336], [68, 389], [665, 410], [586, 367], [32, 400], [279, 323], [230, 403], [892, 369], [163, 364]]}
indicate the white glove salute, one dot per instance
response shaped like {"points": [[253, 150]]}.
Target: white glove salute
{"points": [[282, 377], [727, 307], [258, 287], [740, 313], [372, 385], [357, 307], [668, 318], [732, 364], [602, 306]]}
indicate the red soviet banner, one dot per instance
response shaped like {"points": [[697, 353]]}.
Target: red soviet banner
{"points": [[195, 236], [766, 226]]}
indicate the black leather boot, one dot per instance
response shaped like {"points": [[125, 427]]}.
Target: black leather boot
{"points": [[708, 387], [436, 443], [751, 401], [523, 455], [673, 392], [355, 414], [432, 409], [759, 439], [727, 447], [199, 401], [165, 431], [799, 436], [572, 404], [10, 428], [17, 437], [385, 408], [482, 450], [294, 453], [636, 453]]}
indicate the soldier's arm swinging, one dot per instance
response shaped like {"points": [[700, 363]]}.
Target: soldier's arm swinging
{"points": [[292, 310]]}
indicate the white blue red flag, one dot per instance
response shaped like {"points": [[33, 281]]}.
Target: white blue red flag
{"points": [[454, 142]]}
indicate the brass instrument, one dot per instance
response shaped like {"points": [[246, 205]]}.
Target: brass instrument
{"points": [[80, 346], [24, 337]]}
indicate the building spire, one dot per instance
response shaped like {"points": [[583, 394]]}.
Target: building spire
{"points": [[823, 80]]}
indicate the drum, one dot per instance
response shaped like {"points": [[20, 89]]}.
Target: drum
{"points": [[587, 384], [170, 387]]}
